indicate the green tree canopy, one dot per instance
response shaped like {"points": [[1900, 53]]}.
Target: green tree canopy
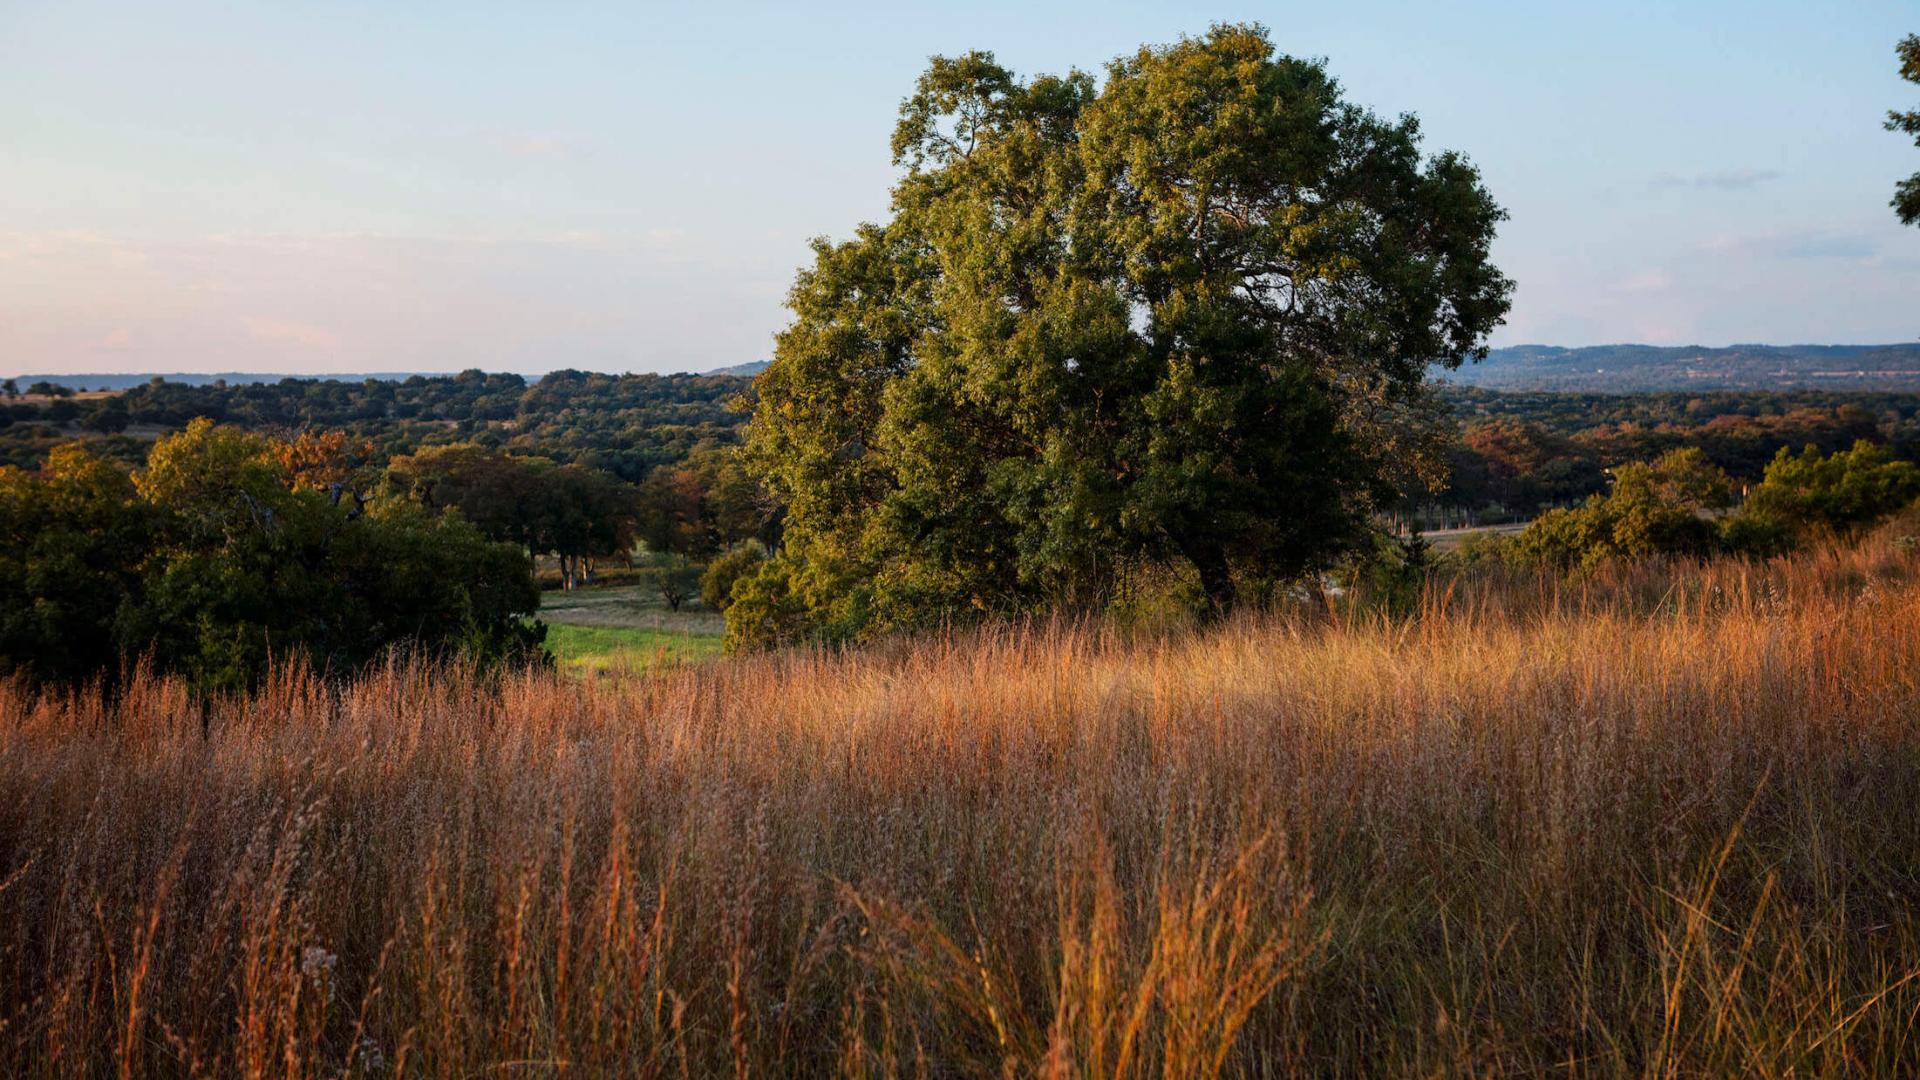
{"points": [[1663, 508], [1842, 492], [1653, 509], [73, 535], [1906, 195], [571, 511], [219, 556], [1182, 313]]}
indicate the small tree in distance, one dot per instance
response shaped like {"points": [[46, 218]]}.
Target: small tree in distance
{"points": [[673, 577]]}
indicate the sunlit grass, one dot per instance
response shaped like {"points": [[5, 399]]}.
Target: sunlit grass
{"points": [[1658, 822], [624, 630], [607, 649]]}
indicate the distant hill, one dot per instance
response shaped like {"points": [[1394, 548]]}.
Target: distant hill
{"points": [[748, 369], [1627, 369], [1604, 369], [129, 380]]}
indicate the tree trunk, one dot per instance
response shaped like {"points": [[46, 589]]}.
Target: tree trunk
{"points": [[1216, 577]]}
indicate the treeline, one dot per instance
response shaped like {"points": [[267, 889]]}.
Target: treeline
{"points": [[623, 424], [1570, 413], [681, 516], [1513, 454], [226, 547], [1519, 453], [228, 550], [580, 472], [1682, 504]]}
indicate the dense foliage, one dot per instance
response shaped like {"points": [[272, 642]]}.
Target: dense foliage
{"points": [[572, 512], [1673, 507], [1638, 369], [1652, 509], [1514, 452], [1184, 314], [230, 549], [623, 424], [1906, 195], [1519, 452]]}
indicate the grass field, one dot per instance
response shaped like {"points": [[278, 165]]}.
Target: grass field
{"points": [[625, 630], [1654, 823]]}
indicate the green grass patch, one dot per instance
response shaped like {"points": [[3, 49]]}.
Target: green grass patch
{"points": [[594, 650]]}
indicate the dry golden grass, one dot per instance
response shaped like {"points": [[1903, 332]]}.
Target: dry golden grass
{"points": [[1665, 822]]}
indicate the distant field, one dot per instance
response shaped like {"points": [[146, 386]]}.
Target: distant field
{"points": [[44, 399], [611, 630], [1449, 539]]}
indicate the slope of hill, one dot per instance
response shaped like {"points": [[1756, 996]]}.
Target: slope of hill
{"points": [[128, 380], [1627, 369], [748, 369], [1615, 369]]}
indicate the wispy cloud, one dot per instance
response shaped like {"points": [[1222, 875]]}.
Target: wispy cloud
{"points": [[285, 332], [1794, 245], [1646, 281], [1837, 246], [1723, 180], [536, 146]]}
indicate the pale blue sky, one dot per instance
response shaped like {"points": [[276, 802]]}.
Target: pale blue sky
{"points": [[422, 186]]}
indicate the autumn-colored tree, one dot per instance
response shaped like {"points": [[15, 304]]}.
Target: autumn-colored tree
{"points": [[703, 505], [1520, 465], [333, 462]]}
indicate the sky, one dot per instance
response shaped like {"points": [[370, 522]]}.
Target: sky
{"points": [[419, 186]]}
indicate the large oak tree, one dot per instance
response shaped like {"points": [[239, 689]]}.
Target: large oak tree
{"points": [[1182, 313]]}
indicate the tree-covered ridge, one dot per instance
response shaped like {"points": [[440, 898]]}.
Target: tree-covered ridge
{"points": [[1519, 452], [624, 424], [1630, 369], [1510, 449]]}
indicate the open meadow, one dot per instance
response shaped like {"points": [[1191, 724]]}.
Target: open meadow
{"points": [[1657, 820], [624, 629], [997, 540]]}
